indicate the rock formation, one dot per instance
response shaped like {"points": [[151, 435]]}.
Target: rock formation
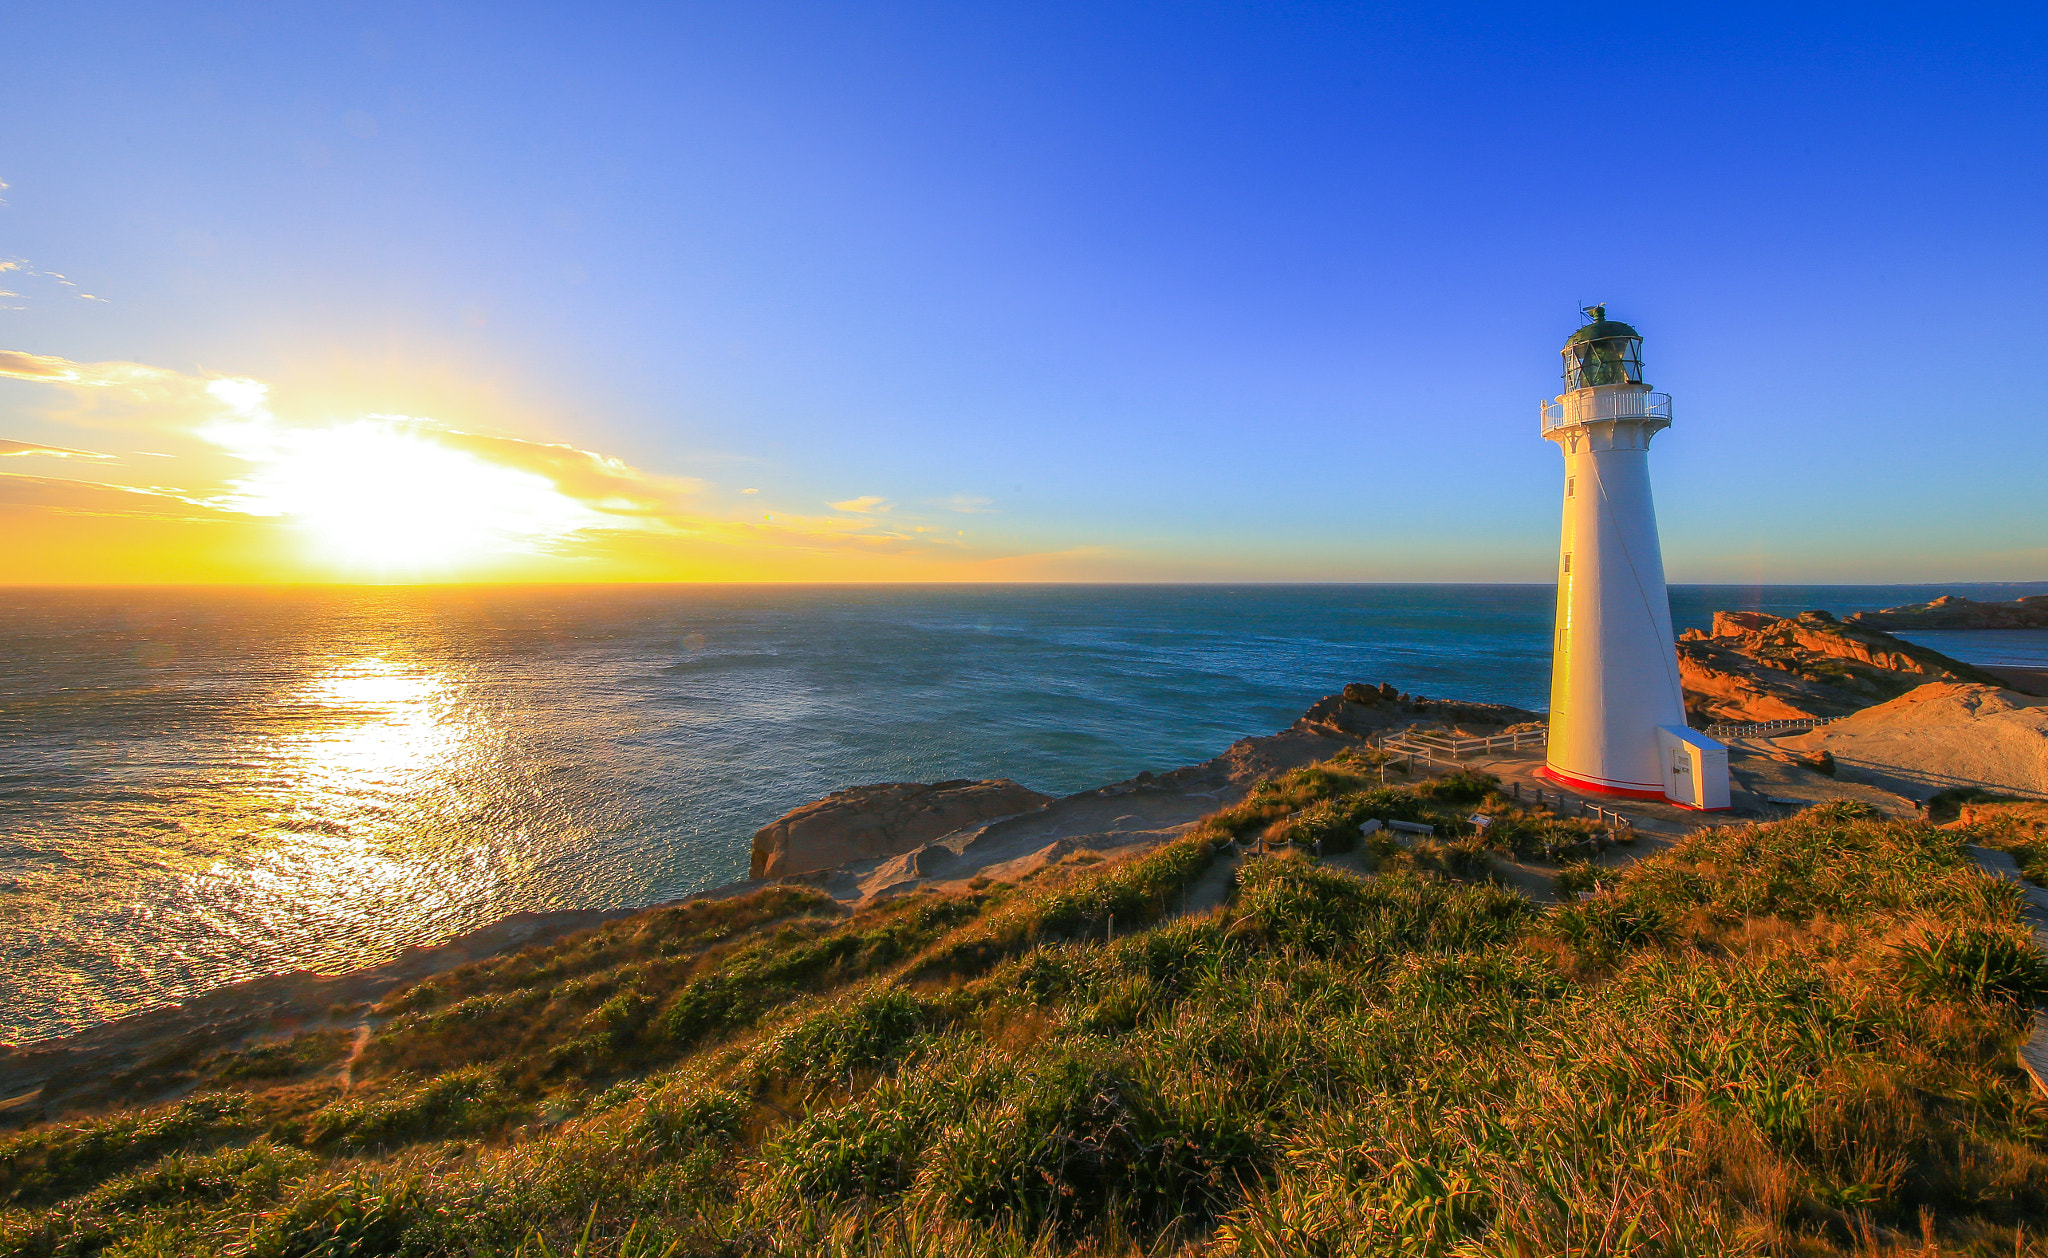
{"points": [[1953, 611], [1941, 736], [1363, 711], [1758, 667], [864, 822]]}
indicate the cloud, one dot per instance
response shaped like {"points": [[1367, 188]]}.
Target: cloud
{"points": [[49, 369], [33, 277], [9, 449], [866, 504], [969, 504], [81, 497], [597, 480]]}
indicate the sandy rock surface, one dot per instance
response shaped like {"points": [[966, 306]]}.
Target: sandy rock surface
{"points": [[864, 822], [1942, 735]]}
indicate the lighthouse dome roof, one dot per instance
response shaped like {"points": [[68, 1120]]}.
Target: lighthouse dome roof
{"points": [[1601, 330]]}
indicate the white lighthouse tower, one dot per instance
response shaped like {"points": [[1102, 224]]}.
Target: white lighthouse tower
{"points": [[1617, 712]]}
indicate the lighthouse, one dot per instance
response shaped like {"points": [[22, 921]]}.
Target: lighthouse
{"points": [[1617, 712]]}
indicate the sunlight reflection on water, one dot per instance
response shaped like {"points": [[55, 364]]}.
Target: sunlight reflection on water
{"points": [[369, 749], [392, 742]]}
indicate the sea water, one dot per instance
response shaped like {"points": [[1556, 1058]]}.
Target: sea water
{"points": [[202, 786]]}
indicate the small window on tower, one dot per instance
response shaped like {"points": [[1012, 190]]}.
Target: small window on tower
{"points": [[1567, 561], [1571, 486]]}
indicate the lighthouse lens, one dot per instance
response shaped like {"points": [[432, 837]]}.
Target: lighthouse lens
{"points": [[1611, 360]]}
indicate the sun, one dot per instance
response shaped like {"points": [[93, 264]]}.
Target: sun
{"points": [[380, 496]]}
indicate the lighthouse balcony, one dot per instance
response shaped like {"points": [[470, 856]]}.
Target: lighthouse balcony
{"points": [[1587, 406]]}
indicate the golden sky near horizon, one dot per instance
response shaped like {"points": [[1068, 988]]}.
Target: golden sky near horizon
{"points": [[176, 478]]}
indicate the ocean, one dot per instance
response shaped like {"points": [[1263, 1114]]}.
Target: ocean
{"points": [[199, 786]]}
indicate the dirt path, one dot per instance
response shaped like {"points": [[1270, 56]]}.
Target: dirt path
{"points": [[357, 1044]]}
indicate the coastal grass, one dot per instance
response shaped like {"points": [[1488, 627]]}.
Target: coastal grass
{"points": [[1793, 1038]]}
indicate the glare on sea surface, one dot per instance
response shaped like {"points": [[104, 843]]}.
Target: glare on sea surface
{"points": [[384, 496], [373, 742]]}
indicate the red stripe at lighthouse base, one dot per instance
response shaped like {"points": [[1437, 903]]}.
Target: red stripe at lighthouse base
{"points": [[1598, 788], [1624, 792]]}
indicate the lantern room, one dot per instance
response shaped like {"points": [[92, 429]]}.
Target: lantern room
{"points": [[1602, 352]]}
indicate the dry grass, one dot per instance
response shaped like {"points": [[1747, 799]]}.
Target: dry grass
{"points": [[1784, 1039]]}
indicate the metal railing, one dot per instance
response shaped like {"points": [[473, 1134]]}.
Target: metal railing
{"points": [[1771, 728], [1584, 406]]}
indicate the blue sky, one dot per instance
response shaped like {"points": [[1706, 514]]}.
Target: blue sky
{"points": [[1088, 292]]}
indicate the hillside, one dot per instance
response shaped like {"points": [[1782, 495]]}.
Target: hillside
{"points": [[1754, 666], [1791, 1038]]}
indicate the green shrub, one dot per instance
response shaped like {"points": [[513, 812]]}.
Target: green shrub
{"points": [[462, 1102], [1606, 926], [1292, 904], [872, 1029], [283, 1058], [869, 1150], [48, 1162], [670, 1126], [361, 1217], [1580, 877], [257, 1171], [1460, 786], [1080, 1142], [1977, 964]]}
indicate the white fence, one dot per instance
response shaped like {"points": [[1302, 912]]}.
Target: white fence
{"points": [[1768, 729], [1432, 747]]}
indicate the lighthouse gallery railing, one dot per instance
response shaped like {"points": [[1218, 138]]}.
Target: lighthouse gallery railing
{"points": [[1587, 406]]}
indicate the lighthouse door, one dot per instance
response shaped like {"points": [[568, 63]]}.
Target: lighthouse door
{"points": [[1681, 765], [1678, 784]]}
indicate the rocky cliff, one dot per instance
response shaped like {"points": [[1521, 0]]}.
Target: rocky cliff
{"points": [[1953, 611], [1755, 666], [863, 822]]}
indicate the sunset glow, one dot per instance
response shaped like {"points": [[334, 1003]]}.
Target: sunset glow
{"points": [[379, 496]]}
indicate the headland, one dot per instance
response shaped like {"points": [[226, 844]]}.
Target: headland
{"points": [[1222, 1006]]}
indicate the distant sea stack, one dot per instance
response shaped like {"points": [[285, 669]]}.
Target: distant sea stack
{"points": [[1953, 611], [1755, 666]]}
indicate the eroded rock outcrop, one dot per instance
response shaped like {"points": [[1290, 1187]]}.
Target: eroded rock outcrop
{"points": [[864, 822], [1758, 667], [1953, 611]]}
